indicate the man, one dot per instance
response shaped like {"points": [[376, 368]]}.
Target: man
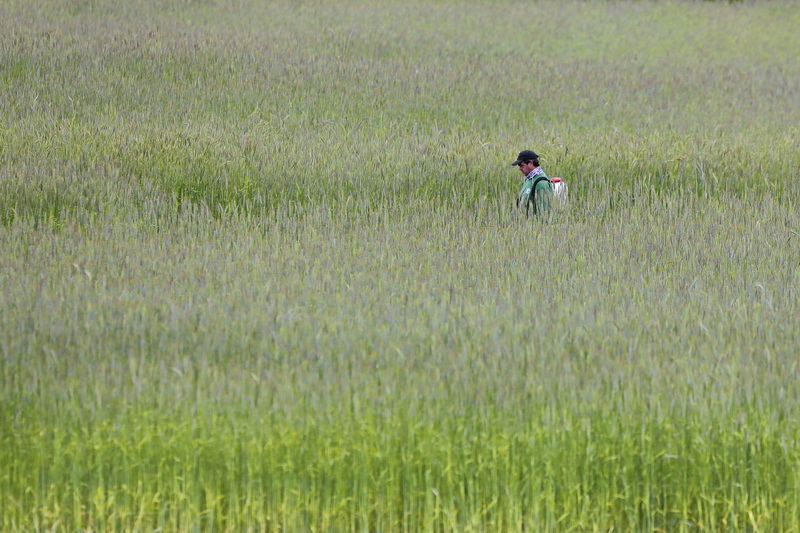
{"points": [[536, 188]]}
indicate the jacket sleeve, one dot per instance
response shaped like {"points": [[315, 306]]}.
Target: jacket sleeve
{"points": [[544, 196], [524, 193]]}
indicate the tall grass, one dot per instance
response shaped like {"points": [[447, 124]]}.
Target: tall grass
{"points": [[261, 270]]}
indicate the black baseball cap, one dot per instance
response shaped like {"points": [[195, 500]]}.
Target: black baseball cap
{"points": [[525, 155]]}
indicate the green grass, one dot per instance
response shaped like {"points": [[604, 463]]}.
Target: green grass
{"points": [[261, 270]]}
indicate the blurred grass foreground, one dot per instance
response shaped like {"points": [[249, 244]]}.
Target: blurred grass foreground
{"points": [[260, 269]]}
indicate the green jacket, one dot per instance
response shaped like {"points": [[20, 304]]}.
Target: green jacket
{"points": [[540, 199]]}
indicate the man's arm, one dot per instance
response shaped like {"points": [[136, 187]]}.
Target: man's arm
{"points": [[524, 193], [544, 196]]}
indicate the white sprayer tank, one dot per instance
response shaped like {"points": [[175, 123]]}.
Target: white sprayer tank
{"points": [[560, 190]]}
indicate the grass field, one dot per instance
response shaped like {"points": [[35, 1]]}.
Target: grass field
{"points": [[260, 269]]}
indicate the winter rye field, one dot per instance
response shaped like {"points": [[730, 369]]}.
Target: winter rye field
{"points": [[260, 269]]}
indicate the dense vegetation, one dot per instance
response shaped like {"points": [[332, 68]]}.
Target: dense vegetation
{"points": [[261, 270]]}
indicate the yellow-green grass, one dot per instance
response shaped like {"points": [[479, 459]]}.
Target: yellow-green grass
{"points": [[260, 268]]}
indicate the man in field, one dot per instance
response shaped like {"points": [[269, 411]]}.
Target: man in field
{"points": [[536, 189]]}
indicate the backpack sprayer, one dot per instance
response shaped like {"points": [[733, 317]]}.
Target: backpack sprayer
{"points": [[560, 190]]}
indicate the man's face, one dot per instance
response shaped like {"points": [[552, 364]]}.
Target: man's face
{"points": [[526, 166]]}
